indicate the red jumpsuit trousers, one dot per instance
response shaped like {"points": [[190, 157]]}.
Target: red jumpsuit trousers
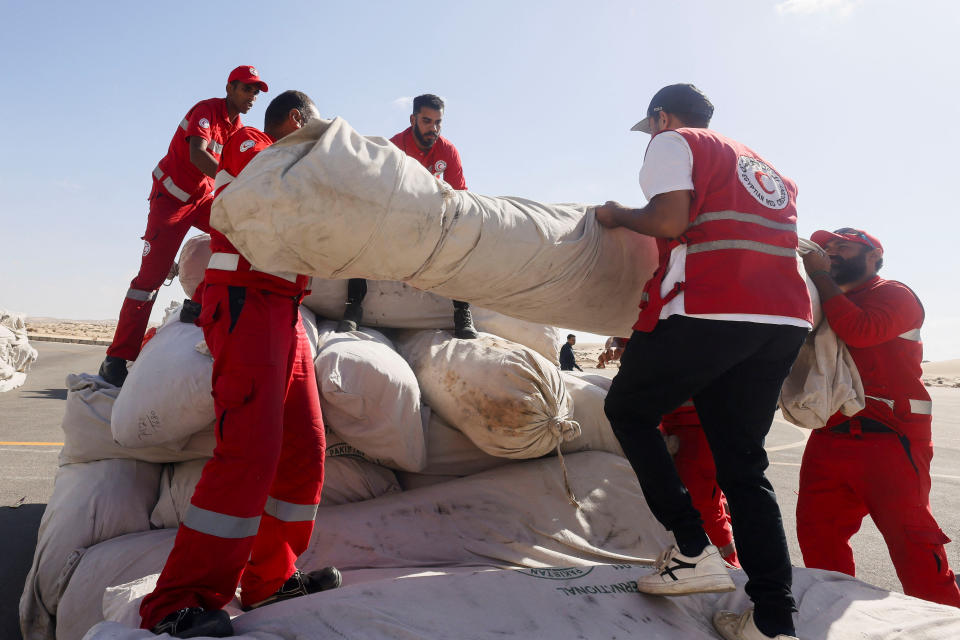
{"points": [[253, 510], [697, 471], [844, 477], [167, 225]]}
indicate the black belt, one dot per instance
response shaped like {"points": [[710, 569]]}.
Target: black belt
{"points": [[867, 425]]}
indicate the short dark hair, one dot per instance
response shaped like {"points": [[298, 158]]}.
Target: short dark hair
{"points": [[570, 335], [693, 120], [427, 100], [280, 106]]}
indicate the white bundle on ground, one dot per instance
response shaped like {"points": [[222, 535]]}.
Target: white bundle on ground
{"points": [[398, 305], [347, 477], [595, 429], [166, 397], [509, 400], [451, 453], [192, 262], [16, 354], [87, 435], [328, 202], [91, 502], [370, 397]]}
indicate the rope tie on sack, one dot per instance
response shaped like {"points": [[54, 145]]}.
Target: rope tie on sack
{"points": [[565, 430]]}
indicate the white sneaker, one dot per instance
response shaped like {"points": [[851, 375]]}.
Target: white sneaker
{"points": [[676, 574], [740, 626]]}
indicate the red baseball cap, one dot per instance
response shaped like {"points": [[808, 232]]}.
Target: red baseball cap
{"points": [[847, 233], [248, 75]]}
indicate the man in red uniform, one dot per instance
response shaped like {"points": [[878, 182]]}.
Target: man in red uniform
{"points": [[421, 140], [253, 510], [180, 199], [697, 471], [721, 321], [878, 461]]}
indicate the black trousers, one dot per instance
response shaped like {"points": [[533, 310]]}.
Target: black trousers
{"points": [[733, 371]]}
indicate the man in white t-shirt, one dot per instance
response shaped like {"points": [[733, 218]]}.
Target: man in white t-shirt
{"points": [[721, 322]]}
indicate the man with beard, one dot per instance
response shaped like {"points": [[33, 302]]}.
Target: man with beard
{"points": [[877, 462], [423, 142], [180, 199]]}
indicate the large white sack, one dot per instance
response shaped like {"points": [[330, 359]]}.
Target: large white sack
{"points": [[398, 305], [370, 397], [596, 602], [451, 453], [595, 429], [86, 428], [166, 397], [347, 477], [91, 502], [192, 263], [328, 202], [509, 400], [16, 354]]}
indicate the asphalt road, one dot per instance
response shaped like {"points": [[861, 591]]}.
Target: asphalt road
{"points": [[32, 414]]}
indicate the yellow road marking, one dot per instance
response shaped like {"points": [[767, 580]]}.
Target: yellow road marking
{"points": [[32, 444]]}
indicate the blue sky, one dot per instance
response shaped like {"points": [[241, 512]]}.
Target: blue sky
{"points": [[854, 100]]}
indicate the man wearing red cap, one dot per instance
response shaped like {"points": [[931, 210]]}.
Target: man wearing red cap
{"points": [[180, 199], [877, 462], [721, 322], [253, 511]]}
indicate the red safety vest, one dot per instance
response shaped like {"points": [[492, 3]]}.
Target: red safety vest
{"points": [[741, 241], [226, 265]]}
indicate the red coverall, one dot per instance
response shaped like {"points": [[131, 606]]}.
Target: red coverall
{"points": [[253, 511], [180, 199], [442, 160], [851, 468], [695, 466]]}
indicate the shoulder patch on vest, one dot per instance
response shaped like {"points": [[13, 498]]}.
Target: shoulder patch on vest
{"points": [[762, 182]]}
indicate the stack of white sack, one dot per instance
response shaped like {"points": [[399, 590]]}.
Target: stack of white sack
{"points": [[389, 305], [416, 564], [510, 401], [16, 354], [328, 202]]}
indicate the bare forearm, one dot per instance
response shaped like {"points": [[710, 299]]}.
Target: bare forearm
{"points": [[202, 160], [825, 284]]}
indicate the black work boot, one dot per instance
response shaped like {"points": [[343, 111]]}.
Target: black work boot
{"points": [[352, 315], [194, 622], [190, 311], [301, 584], [463, 322], [114, 370]]}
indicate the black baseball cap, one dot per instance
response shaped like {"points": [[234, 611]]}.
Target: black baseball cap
{"points": [[676, 98]]}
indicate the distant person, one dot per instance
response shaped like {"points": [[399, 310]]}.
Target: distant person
{"points": [[252, 513], [877, 462], [181, 197], [612, 350], [423, 142], [721, 322], [568, 362]]}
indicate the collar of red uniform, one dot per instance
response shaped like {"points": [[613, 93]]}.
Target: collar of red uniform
{"points": [[866, 285], [409, 142]]}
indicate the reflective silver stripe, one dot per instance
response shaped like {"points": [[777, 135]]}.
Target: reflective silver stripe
{"points": [[223, 178], [913, 334], [922, 407], [688, 403], [743, 217], [141, 295], [215, 146], [184, 124], [231, 262], [748, 245], [290, 512], [169, 185], [885, 401], [220, 524]]}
